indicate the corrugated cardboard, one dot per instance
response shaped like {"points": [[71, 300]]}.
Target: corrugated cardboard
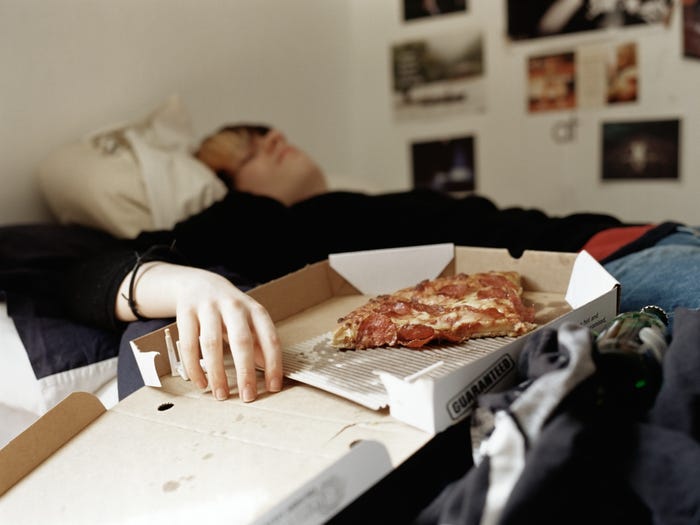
{"points": [[175, 455], [440, 388]]}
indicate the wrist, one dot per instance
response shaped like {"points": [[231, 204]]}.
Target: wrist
{"points": [[145, 293]]}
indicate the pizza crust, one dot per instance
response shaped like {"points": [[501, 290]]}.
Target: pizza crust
{"points": [[445, 309]]}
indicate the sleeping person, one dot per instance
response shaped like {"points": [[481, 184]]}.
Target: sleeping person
{"points": [[278, 216]]}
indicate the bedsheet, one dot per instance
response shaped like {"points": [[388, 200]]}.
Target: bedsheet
{"points": [[28, 391]]}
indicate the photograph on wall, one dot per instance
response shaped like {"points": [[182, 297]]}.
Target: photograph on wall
{"points": [[551, 82], [640, 149], [438, 75], [418, 9], [606, 74], [445, 165], [540, 18], [594, 69], [591, 76], [623, 75], [691, 28]]}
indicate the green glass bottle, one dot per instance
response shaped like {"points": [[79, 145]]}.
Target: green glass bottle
{"points": [[629, 354]]}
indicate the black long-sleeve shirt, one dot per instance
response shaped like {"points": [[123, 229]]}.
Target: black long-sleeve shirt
{"points": [[260, 239]]}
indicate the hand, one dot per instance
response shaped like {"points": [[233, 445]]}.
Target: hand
{"points": [[208, 307]]}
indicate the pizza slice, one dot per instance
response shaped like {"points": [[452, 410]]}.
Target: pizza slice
{"points": [[445, 309]]}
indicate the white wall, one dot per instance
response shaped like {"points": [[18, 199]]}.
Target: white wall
{"points": [[517, 162], [319, 70], [71, 66]]}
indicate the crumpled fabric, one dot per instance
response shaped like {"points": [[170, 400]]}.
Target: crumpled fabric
{"points": [[561, 447]]}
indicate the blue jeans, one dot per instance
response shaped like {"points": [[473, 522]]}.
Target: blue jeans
{"points": [[666, 274]]}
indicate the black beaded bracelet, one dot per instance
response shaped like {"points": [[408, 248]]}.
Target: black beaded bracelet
{"points": [[149, 255], [132, 282]]}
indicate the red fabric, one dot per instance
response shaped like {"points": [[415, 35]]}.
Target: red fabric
{"points": [[607, 241]]}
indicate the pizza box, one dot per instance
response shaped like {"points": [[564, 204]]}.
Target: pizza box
{"points": [[175, 455], [431, 388]]}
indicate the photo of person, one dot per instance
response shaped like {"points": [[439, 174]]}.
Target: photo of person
{"points": [[640, 149], [416, 9], [440, 74], [445, 165], [551, 82], [623, 74], [691, 28], [540, 18]]}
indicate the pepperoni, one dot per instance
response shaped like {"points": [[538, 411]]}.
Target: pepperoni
{"points": [[400, 308], [459, 334], [387, 305], [415, 335], [449, 311], [376, 330], [395, 308], [493, 313], [456, 291], [432, 309]]}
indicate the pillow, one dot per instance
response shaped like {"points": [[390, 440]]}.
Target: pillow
{"points": [[131, 178]]}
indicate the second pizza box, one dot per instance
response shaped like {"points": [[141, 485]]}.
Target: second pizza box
{"points": [[436, 386]]}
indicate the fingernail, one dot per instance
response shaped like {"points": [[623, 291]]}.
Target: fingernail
{"points": [[248, 394], [275, 384], [201, 384], [221, 394]]}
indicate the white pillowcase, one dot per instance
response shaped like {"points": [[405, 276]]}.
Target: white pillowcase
{"points": [[24, 397], [131, 178]]}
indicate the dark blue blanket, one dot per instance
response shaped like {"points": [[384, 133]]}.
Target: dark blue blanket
{"points": [[32, 259]]}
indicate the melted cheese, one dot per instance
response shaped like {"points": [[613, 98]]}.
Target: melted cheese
{"points": [[455, 308]]}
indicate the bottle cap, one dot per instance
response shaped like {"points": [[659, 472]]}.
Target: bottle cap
{"points": [[657, 311]]}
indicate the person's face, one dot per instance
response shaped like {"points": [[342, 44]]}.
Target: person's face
{"points": [[273, 167]]}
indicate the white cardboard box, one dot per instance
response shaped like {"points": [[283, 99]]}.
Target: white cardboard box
{"points": [[174, 455], [430, 389]]}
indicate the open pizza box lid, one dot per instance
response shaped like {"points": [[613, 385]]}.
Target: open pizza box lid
{"points": [[431, 388], [175, 455]]}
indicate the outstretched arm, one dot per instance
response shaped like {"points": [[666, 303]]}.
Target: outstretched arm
{"points": [[208, 309]]}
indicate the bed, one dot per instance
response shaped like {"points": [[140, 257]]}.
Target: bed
{"points": [[46, 356], [110, 184]]}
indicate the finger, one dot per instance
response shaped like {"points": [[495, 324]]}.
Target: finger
{"points": [[267, 344], [242, 344], [211, 343], [188, 346]]}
